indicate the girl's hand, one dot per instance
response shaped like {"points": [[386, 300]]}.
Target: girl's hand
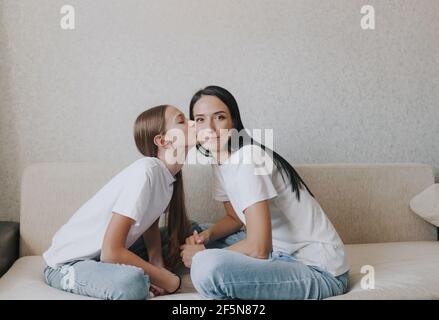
{"points": [[173, 282], [174, 285], [198, 238], [188, 251], [157, 291]]}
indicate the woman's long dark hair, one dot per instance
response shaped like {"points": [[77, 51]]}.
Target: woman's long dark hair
{"points": [[227, 98]]}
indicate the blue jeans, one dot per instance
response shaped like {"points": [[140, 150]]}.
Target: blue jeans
{"points": [[106, 280], [224, 274], [100, 280]]}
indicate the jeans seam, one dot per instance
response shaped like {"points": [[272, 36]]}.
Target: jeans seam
{"points": [[225, 284], [267, 283]]}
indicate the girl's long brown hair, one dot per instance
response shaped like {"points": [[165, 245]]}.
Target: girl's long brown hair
{"points": [[149, 124]]}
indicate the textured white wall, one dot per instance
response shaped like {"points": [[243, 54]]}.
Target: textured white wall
{"points": [[305, 68]]}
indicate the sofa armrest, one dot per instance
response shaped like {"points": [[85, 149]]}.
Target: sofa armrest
{"points": [[9, 245]]}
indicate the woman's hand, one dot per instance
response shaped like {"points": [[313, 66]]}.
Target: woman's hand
{"points": [[198, 238], [188, 251]]}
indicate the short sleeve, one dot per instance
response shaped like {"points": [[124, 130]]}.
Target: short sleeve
{"points": [[219, 194], [134, 197], [249, 181]]}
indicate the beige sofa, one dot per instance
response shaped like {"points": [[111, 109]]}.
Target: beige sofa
{"points": [[367, 203]]}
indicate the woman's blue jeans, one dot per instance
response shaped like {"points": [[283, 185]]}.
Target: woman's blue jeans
{"points": [[224, 274]]}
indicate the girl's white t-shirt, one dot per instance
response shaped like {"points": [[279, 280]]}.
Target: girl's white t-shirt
{"points": [[142, 192], [299, 228]]}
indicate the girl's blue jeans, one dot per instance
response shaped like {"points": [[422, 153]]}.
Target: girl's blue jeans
{"points": [[107, 281]]}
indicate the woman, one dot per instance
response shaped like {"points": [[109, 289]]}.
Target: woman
{"points": [[289, 249], [90, 254]]}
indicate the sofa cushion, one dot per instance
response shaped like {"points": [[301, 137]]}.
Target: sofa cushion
{"points": [[403, 270], [426, 204]]}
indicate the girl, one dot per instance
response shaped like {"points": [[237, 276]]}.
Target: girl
{"points": [[89, 255], [289, 249]]}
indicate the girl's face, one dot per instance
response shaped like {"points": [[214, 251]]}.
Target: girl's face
{"points": [[213, 122], [180, 131]]}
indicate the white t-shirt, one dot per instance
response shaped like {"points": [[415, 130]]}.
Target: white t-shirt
{"points": [[300, 228], [142, 192]]}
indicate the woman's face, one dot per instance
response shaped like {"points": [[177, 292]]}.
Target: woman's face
{"points": [[213, 122], [179, 130]]}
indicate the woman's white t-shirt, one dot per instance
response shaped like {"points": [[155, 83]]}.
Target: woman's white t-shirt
{"points": [[142, 192], [299, 228]]}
